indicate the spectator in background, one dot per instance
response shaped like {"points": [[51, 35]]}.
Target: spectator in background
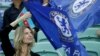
{"points": [[12, 12], [16, 7]]}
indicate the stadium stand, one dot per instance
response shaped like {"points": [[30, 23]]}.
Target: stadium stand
{"points": [[89, 34], [92, 47], [41, 37], [46, 49]]}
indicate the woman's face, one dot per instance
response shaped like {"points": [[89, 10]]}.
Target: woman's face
{"points": [[28, 37]]}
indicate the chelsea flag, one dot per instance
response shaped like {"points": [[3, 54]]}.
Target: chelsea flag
{"points": [[57, 27], [82, 13]]}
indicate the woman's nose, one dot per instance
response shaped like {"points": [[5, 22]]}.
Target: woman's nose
{"points": [[30, 35]]}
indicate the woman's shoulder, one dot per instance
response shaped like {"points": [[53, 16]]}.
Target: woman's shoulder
{"points": [[34, 54]]}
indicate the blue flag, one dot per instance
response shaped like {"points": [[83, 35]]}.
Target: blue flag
{"points": [[82, 13], [56, 26]]}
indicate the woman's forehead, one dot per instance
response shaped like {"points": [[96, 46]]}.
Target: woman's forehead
{"points": [[26, 29]]}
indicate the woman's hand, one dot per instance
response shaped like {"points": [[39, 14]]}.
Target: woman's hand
{"points": [[25, 16], [45, 2]]}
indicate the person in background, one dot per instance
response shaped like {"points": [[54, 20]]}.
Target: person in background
{"points": [[23, 40], [12, 12], [16, 7]]}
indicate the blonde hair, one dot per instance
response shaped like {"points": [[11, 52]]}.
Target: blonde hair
{"points": [[18, 40]]}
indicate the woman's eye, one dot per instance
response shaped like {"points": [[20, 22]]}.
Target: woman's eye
{"points": [[26, 33]]}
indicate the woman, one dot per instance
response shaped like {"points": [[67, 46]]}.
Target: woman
{"points": [[23, 40]]}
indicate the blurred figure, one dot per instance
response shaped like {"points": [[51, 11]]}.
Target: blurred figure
{"points": [[16, 7], [12, 12]]}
